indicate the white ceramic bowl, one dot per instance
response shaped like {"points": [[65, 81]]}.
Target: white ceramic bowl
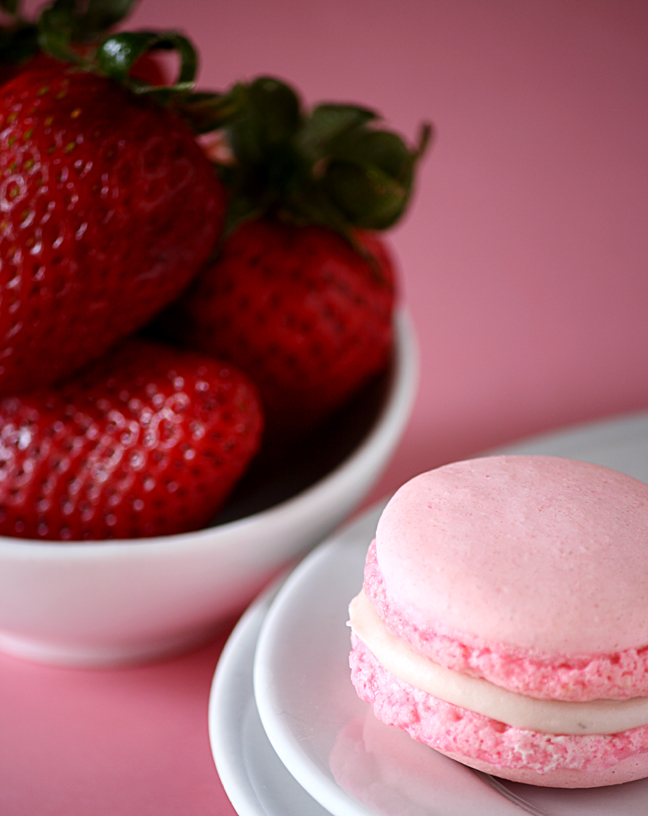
{"points": [[109, 603]]}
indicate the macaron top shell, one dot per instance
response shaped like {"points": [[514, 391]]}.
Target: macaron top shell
{"points": [[536, 553]]}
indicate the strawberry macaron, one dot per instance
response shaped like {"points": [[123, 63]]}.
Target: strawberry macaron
{"points": [[503, 619]]}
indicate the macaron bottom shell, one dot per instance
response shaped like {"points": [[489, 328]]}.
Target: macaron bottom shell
{"points": [[531, 757]]}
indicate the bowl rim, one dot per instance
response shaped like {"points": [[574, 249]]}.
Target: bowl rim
{"points": [[389, 424]]}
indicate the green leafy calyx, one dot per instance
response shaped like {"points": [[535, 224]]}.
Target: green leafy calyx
{"points": [[334, 165]]}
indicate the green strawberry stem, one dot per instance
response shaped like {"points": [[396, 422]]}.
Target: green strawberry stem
{"points": [[60, 28], [335, 165], [60, 23], [119, 53]]}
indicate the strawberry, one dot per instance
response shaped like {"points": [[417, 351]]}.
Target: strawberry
{"points": [[146, 441], [300, 310], [108, 210], [108, 207], [301, 294]]}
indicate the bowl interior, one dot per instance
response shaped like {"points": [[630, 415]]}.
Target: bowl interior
{"points": [[289, 472], [285, 474]]}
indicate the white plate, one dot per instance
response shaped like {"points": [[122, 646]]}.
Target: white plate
{"points": [[253, 776], [329, 740]]}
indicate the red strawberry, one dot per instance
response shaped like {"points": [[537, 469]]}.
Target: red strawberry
{"points": [[108, 209], [301, 295], [147, 441], [304, 314]]}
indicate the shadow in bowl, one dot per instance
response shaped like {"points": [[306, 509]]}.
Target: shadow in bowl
{"points": [[276, 476]]}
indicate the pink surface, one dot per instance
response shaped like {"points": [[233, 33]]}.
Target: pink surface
{"points": [[116, 742], [512, 753], [502, 567], [523, 263]]}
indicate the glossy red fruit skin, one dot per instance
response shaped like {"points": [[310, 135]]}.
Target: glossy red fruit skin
{"points": [[146, 441], [299, 310], [108, 208]]}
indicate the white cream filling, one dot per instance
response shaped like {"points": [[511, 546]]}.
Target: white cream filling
{"points": [[477, 694]]}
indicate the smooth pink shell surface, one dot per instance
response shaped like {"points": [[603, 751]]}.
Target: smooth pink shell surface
{"points": [[530, 571]]}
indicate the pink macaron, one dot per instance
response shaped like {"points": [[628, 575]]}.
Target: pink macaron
{"points": [[503, 619]]}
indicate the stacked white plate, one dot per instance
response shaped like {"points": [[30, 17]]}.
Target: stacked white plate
{"points": [[291, 738]]}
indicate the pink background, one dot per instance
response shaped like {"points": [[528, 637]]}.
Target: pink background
{"points": [[523, 264]]}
